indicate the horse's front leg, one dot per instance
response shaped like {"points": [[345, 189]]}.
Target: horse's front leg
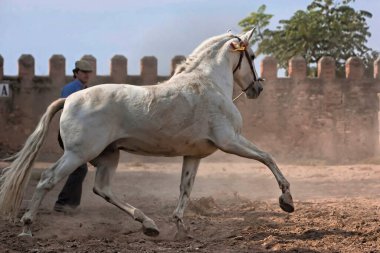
{"points": [[189, 171], [240, 146]]}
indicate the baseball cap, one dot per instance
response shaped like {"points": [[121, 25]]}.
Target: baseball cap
{"points": [[83, 65]]}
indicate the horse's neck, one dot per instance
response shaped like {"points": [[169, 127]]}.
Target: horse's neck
{"points": [[221, 75], [216, 71]]}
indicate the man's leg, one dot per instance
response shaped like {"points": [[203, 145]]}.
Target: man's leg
{"points": [[72, 190]]}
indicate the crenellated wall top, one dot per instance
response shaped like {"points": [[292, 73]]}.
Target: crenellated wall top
{"points": [[297, 69]]}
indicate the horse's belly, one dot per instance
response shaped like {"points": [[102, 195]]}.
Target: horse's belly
{"points": [[200, 148]]}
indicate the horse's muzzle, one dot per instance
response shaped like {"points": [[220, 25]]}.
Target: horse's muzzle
{"points": [[254, 89], [258, 87]]}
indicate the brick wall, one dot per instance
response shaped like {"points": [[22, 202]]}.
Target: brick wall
{"points": [[295, 118]]}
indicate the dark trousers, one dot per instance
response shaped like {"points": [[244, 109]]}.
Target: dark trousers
{"points": [[72, 190]]}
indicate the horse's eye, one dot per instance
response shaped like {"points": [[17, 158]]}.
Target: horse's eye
{"points": [[252, 57]]}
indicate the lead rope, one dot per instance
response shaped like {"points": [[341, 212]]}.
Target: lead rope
{"points": [[233, 100]]}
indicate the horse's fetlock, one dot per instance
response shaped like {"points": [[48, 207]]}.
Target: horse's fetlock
{"points": [[268, 159], [284, 186], [138, 215], [176, 217], [26, 219]]}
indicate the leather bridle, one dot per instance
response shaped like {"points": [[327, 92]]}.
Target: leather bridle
{"points": [[243, 51]]}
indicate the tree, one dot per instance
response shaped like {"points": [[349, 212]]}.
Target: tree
{"points": [[326, 28]]}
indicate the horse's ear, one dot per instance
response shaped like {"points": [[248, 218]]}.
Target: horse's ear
{"points": [[246, 37]]}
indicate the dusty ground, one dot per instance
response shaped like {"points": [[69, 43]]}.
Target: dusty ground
{"points": [[234, 209]]}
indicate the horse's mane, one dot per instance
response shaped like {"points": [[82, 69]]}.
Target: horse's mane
{"points": [[209, 46]]}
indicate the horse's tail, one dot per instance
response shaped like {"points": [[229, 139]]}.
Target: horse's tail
{"points": [[15, 177]]}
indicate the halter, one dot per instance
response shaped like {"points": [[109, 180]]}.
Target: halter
{"points": [[243, 51]]}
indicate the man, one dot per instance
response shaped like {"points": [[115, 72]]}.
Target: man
{"points": [[71, 193]]}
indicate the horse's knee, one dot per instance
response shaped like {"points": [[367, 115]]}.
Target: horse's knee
{"points": [[266, 158]]}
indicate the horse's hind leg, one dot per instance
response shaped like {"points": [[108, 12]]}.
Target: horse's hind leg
{"points": [[240, 146], [106, 164], [189, 170], [49, 178]]}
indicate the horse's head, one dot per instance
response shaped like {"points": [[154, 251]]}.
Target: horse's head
{"points": [[244, 71], [236, 50]]}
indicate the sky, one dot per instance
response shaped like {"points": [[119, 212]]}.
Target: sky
{"points": [[160, 28]]}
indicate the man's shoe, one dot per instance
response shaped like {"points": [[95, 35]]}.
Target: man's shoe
{"points": [[59, 208], [65, 209]]}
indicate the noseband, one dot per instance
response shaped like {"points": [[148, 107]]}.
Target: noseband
{"points": [[242, 53]]}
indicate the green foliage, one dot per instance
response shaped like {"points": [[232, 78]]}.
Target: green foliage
{"points": [[326, 28], [259, 20]]}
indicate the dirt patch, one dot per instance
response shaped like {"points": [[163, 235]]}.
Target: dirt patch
{"points": [[234, 208]]}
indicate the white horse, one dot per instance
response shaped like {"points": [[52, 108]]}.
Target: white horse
{"points": [[191, 115]]}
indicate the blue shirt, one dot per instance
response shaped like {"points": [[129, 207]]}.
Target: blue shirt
{"points": [[72, 87]]}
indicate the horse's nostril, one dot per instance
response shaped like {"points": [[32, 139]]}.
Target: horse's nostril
{"points": [[260, 89]]}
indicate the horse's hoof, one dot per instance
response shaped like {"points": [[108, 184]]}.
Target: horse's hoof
{"points": [[150, 228], [25, 234], [286, 202]]}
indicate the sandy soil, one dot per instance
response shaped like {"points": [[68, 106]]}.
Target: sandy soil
{"points": [[233, 209]]}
